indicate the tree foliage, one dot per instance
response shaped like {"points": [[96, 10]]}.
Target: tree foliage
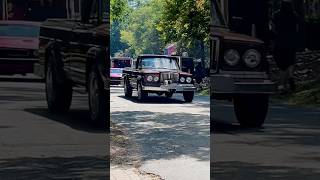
{"points": [[140, 32], [186, 22], [118, 9]]}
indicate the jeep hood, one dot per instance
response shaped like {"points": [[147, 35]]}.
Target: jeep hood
{"points": [[232, 36], [164, 71]]}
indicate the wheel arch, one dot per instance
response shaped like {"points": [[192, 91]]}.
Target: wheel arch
{"points": [[95, 57]]}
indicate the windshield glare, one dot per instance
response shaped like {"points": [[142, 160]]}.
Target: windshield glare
{"points": [[160, 63], [19, 31], [217, 18]]}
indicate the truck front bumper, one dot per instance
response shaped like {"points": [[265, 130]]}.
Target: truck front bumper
{"points": [[171, 87], [230, 84]]}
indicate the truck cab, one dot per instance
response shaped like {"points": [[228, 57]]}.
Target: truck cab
{"points": [[239, 70], [74, 54]]}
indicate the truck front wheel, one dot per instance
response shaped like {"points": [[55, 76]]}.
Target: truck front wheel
{"points": [[97, 98], [127, 88], [188, 96], [251, 110], [58, 88], [169, 94], [141, 93]]}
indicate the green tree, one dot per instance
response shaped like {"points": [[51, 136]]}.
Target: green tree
{"points": [[140, 31], [187, 23], [118, 9]]}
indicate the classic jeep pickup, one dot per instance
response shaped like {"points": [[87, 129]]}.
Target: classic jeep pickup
{"points": [[158, 74], [239, 71], [74, 54]]}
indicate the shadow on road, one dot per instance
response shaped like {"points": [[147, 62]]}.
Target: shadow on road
{"points": [[154, 100], [166, 136], [239, 170], [284, 125], [76, 119], [55, 168]]}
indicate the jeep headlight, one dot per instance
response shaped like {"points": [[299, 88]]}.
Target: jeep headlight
{"points": [[182, 79], [149, 78], [252, 58], [232, 57], [156, 79], [189, 79]]}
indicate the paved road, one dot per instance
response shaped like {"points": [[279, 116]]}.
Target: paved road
{"points": [[35, 144], [287, 148], [173, 137]]}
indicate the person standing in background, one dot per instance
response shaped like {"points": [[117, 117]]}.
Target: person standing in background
{"points": [[286, 27]]}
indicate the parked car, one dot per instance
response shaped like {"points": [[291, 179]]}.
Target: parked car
{"points": [[75, 53], [19, 44], [117, 66], [159, 74], [239, 71]]}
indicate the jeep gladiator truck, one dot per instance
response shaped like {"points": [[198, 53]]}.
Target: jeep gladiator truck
{"points": [[157, 74], [239, 71], [74, 54]]}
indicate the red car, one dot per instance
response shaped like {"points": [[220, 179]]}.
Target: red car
{"points": [[19, 44]]}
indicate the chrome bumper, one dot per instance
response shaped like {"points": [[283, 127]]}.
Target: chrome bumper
{"points": [[171, 87], [240, 85]]}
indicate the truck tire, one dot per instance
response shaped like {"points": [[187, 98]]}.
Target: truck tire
{"points": [[97, 95], [127, 88], [58, 88], [141, 93], [251, 110], [169, 94], [188, 96]]}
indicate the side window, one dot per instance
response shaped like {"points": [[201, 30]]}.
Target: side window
{"points": [[139, 64], [74, 9], [94, 12]]}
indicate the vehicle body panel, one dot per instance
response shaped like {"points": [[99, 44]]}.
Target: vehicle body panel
{"points": [[18, 49]]}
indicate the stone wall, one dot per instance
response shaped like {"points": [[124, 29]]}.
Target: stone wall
{"points": [[307, 67]]}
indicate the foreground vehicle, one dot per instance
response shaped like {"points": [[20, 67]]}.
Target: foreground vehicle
{"points": [[157, 74], [117, 66], [239, 71], [75, 53], [19, 46]]}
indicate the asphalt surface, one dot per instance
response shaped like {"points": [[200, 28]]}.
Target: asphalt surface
{"points": [[35, 144], [173, 137], [286, 148]]}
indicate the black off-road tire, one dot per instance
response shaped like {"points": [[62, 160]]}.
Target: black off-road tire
{"points": [[98, 98], [251, 110], [142, 95], [169, 94], [127, 88], [58, 88], [188, 96]]}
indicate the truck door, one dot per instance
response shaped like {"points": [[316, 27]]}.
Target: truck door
{"points": [[84, 42]]}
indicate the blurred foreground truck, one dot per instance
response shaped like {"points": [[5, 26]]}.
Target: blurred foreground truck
{"points": [[74, 55], [238, 69]]}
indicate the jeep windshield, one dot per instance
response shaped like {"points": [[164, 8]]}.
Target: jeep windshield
{"points": [[217, 18], [159, 63]]}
